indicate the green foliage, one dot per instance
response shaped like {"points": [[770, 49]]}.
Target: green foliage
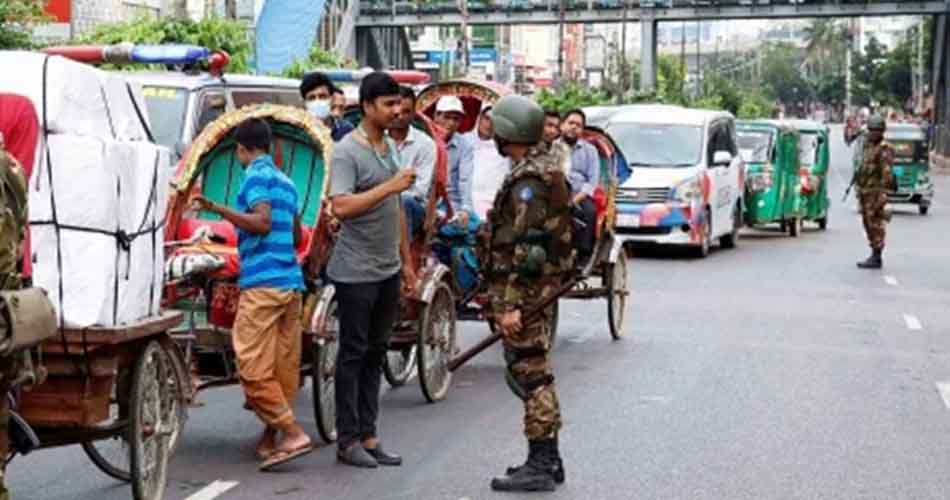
{"points": [[213, 33], [781, 74], [17, 19], [754, 105], [670, 82], [570, 96], [318, 58]]}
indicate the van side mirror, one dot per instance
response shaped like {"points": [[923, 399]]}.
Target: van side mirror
{"points": [[721, 158]]}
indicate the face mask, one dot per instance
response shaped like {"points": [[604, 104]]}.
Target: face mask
{"points": [[319, 108]]}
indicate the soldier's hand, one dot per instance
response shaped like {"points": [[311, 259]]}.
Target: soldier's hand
{"points": [[510, 323], [403, 180]]}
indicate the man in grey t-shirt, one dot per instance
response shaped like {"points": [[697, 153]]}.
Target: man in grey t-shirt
{"points": [[365, 185]]}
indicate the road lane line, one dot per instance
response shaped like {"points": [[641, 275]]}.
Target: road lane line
{"points": [[944, 389], [213, 490], [890, 280], [912, 322]]}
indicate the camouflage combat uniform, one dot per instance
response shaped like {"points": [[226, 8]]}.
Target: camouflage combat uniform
{"points": [[874, 180], [13, 226], [529, 253]]}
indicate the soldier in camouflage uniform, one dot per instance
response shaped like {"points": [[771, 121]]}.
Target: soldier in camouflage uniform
{"points": [[874, 180], [526, 254]]}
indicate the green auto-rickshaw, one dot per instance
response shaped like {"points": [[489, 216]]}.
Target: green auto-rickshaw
{"points": [[770, 151], [814, 158], [911, 168]]}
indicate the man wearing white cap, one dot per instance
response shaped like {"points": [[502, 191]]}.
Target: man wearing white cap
{"points": [[490, 168], [449, 113]]}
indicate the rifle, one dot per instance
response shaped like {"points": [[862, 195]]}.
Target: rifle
{"points": [[854, 178]]}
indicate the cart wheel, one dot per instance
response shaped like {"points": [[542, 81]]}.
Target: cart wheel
{"points": [[176, 415], [110, 456], [617, 295], [323, 374], [552, 323], [436, 343], [398, 365], [151, 426]]}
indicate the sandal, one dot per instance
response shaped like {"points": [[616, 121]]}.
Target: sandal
{"points": [[283, 456]]}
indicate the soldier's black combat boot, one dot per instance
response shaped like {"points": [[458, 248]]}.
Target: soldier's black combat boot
{"points": [[536, 474], [872, 262], [557, 470]]}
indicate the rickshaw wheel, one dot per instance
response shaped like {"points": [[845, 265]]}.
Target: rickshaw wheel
{"points": [[151, 426], [176, 412], [436, 343], [617, 295], [326, 346], [111, 456], [398, 365]]}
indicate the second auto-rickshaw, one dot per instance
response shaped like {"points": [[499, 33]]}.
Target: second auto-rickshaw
{"points": [[770, 151], [911, 168], [814, 158]]}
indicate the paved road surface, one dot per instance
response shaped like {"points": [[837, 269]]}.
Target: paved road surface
{"points": [[777, 370]]}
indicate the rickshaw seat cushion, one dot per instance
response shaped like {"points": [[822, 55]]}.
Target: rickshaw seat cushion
{"points": [[227, 231]]}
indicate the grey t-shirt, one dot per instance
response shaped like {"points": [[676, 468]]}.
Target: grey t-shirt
{"points": [[367, 248]]}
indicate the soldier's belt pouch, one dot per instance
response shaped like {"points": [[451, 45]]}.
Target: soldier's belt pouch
{"points": [[29, 319]]}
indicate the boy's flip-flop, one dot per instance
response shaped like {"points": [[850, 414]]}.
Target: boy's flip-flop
{"points": [[282, 456]]}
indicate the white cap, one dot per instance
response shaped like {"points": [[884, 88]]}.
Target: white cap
{"points": [[486, 106], [448, 104]]}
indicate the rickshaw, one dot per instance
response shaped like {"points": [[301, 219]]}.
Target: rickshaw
{"points": [[911, 166], [472, 94], [770, 151], [814, 159], [203, 263]]}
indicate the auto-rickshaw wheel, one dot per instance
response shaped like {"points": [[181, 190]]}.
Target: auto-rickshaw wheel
{"points": [[399, 364], [326, 346], [823, 223], [617, 295], [151, 423], [436, 343], [923, 209]]}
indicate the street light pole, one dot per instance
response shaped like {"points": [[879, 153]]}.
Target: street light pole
{"points": [[624, 69]]}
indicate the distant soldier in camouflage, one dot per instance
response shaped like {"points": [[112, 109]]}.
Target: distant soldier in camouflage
{"points": [[526, 254], [873, 180]]}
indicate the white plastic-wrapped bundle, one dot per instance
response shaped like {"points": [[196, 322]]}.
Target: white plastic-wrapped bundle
{"points": [[79, 99]]}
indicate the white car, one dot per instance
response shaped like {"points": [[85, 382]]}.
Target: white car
{"points": [[687, 182]]}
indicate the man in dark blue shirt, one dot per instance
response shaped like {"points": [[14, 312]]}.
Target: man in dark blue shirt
{"points": [[317, 91]]}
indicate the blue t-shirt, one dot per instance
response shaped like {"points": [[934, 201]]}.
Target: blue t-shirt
{"points": [[268, 260], [340, 130]]}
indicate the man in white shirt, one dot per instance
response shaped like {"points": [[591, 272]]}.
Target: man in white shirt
{"points": [[418, 150], [490, 168], [449, 113]]}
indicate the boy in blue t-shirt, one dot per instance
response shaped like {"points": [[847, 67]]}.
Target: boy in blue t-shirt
{"points": [[267, 329]]}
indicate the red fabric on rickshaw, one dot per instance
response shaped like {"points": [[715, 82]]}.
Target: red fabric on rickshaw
{"points": [[20, 128], [228, 249]]}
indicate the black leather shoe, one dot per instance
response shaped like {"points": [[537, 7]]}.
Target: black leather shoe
{"points": [[356, 456], [383, 458]]}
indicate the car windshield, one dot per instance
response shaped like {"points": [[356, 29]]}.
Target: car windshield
{"points": [[754, 145], [658, 145], [166, 113]]}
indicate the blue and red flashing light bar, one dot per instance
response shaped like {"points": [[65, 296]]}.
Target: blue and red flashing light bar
{"points": [[127, 53]]}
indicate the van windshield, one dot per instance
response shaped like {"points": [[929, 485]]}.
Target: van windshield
{"points": [[755, 146], [658, 145], [166, 113]]}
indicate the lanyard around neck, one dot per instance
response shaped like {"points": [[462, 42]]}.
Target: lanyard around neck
{"points": [[394, 162]]}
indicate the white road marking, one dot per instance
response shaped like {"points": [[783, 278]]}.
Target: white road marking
{"points": [[213, 490], [944, 389], [890, 280], [912, 322]]}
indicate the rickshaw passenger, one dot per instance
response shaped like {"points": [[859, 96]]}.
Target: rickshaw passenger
{"points": [[449, 113], [552, 132], [490, 166], [267, 328], [583, 178], [416, 149], [316, 89]]}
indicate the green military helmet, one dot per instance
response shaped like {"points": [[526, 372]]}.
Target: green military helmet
{"points": [[876, 122], [518, 120]]}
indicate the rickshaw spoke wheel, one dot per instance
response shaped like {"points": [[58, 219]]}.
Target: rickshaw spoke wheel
{"points": [[149, 429], [617, 295], [111, 456], [323, 374], [436, 344], [398, 365]]}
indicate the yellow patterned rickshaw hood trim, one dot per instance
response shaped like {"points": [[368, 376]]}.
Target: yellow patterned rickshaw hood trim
{"points": [[217, 130]]}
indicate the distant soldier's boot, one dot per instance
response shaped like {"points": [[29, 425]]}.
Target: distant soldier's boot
{"points": [[537, 474], [872, 262], [557, 470]]}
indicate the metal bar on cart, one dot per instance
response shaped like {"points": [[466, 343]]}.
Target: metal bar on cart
{"points": [[529, 316]]}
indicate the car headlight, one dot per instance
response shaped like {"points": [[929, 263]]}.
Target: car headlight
{"points": [[687, 191]]}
